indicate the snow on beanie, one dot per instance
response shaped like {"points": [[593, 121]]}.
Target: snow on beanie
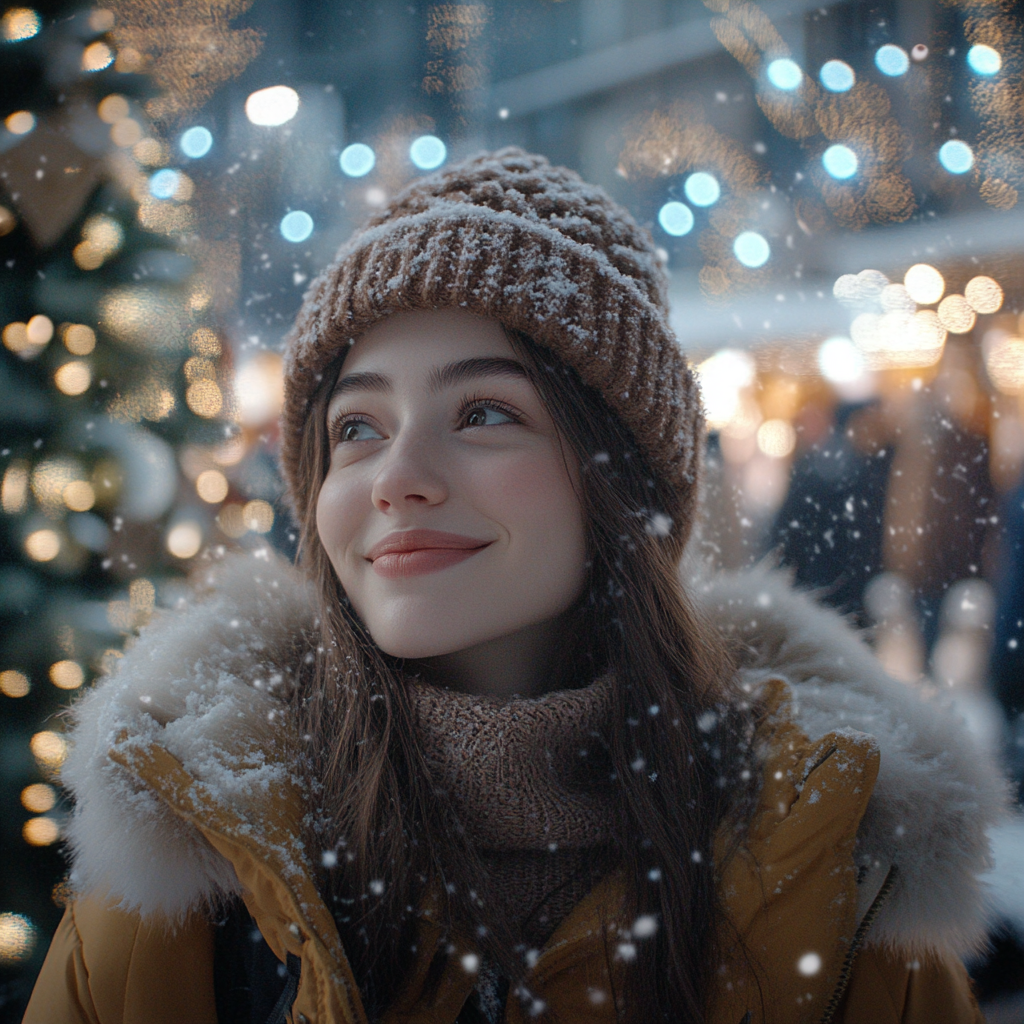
{"points": [[507, 236]]}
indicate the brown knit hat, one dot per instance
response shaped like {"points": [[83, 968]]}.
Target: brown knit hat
{"points": [[507, 236]]}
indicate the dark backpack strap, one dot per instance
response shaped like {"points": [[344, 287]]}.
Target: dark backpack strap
{"points": [[251, 986]]}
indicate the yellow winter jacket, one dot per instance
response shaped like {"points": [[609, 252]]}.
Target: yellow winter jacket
{"points": [[852, 887], [789, 892]]}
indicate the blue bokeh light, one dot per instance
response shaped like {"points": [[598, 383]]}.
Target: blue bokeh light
{"points": [[956, 156], [785, 74], [837, 76], [702, 189], [984, 60], [840, 161], [164, 183], [196, 142], [296, 226], [676, 219], [357, 160], [892, 60], [751, 249], [428, 152]]}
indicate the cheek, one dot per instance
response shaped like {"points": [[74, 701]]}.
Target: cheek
{"points": [[340, 510]]}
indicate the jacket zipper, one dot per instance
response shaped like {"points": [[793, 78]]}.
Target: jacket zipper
{"points": [[858, 939]]}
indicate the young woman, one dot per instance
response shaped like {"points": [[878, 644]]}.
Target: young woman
{"points": [[508, 761]]}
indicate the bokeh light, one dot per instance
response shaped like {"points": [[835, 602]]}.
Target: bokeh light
{"points": [[49, 748], [184, 539], [840, 361], [79, 339], [18, 935], [752, 249], [956, 315], [40, 831], [14, 683], [924, 284], [428, 152], [840, 161], [79, 496], [38, 798], [776, 438], [357, 160], [1004, 361], [722, 377], [892, 60], [21, 122], [42, 545], [74, 377], [212, 486], [164, 183], [272, 106], [984, 60], [956, 156], [66, 675], [785, 74], [8, 222], [113, 108], [984, 295], [837, 76], [196, 142], [676, 219], [259, 389], [702, 189], [20, 23], [296, 226], [204, 398], [14, 489], [258, 516], [97, 56]]}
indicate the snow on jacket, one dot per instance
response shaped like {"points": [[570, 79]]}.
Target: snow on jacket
{"points": [[854, 892]]}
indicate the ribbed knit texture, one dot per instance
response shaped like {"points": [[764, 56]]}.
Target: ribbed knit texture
{"points": [[523, 779], [507, 236]]}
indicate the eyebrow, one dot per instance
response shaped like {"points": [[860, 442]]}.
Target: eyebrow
{"points": [[441, 377]]}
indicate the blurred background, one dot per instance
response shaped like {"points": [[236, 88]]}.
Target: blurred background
{"points": [[835, 192]]}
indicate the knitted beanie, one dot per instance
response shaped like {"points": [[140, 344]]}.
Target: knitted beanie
{"points": [[505, 235]]}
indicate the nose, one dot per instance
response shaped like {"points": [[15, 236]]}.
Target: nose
{"points": [[409, 477]]}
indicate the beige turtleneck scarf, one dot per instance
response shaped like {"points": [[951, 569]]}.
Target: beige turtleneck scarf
{"points": [[519, 775]]}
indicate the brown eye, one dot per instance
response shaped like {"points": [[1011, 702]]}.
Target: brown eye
{"points": [[486, 416], [351, 432], [477, 418], [356, 430]]}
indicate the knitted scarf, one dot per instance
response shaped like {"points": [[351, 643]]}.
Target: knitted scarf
{"points": [[527, 778]]}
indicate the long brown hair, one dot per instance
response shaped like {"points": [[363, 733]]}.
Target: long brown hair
{"points": [[678, 742]]}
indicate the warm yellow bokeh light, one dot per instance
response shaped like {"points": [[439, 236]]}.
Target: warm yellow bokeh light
{"points": [[20, 23], [204, 398], [14, 683], [67, 675], [8, 222], [126, 132], [42, 545], [101, 20], [113, 108], [14, 490], [49, 748], [776, 438], [40, 831], [924, 283], [79, 339], [21, 122], [184, 540], [17, 937], [984, 295], [231, 521], [39, 330], [212, 486], [150, 152], [258, 516], [205, 342], [38, 798], [97, 56], [956, 314], [16, 337], [1004, 360], [79, 496], [73, 378], [199, 368]]}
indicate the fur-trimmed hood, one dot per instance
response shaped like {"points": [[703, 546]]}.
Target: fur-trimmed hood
{"points": [[205, 682]]}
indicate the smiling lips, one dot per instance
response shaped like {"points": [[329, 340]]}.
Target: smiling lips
{"points": [[416, 552]]}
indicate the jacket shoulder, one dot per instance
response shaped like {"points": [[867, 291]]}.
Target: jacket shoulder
{"points": [[107, 965]]}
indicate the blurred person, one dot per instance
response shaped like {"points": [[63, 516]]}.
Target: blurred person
{"points": [[492, 751]]}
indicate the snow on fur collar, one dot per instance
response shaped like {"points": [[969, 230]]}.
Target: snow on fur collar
{"points": [[201, 682]]}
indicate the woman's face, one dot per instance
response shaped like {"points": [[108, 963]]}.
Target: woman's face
{"points": [[448, 511]]}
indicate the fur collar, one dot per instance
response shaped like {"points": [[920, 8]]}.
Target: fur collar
{"points": [[201, 681]]}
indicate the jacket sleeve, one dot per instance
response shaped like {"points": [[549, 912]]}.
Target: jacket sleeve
{"points": [[886, 989], [108, 966]]}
